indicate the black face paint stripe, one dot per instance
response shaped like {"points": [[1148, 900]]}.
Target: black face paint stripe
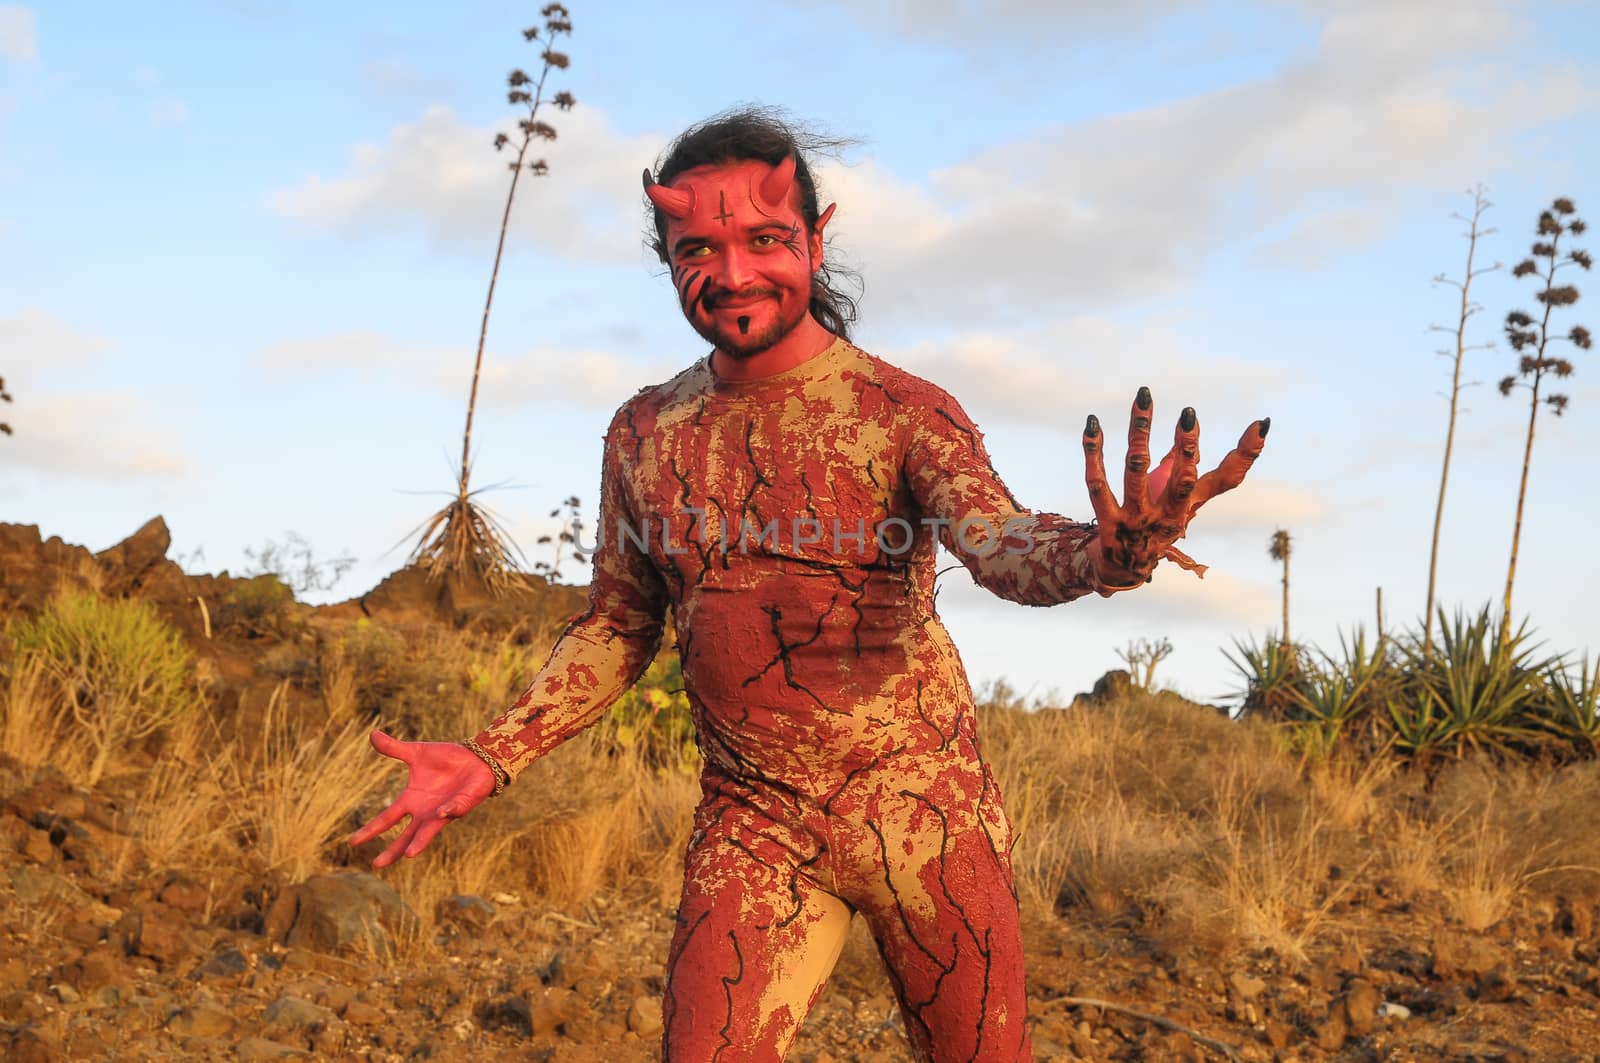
{"points": [[744, 326], [683, 289], [722, 214], [699, 295]]}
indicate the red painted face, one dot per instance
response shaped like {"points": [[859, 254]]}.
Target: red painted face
{"points": [[740, 255]]}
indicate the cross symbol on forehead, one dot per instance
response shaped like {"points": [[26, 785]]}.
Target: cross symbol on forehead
{"points": [[722, 214]]}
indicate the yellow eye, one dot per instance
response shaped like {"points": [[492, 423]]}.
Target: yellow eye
{"points": [[765, 240]]}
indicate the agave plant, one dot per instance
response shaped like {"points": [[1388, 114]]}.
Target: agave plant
{"points": [[1269, 672], [1570, 708], [1476, 693], [1334, 694]]}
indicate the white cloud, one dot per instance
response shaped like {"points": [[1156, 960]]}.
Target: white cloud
{"points": [[1174, 598], [442, 175], [543, 375], [66, 425], [18, 39], [1319, 238], [36, 342], [105, 436], [1056, 374], [969, 21], [1130, 207]]}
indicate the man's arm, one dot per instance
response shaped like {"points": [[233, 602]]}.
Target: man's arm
{"points": [[604, 651], [1022, 556]]}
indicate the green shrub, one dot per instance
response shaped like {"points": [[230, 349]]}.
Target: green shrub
{"points": [[257, 607], [113, 664], [652, 721]]}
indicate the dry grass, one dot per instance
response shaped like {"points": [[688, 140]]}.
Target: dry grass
{"points": [[33, 725], [600, 822], [184, 816], [294, 793], [1201, 832]]}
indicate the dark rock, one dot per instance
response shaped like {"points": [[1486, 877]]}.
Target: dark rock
{"points": [[1114, 686], [293, 1021], [466, 911], [153, 930], [127, 563], [36, 887], [30, 1045], [205, 1019], [98, 967], [506, 1013], [252, 1049], [184, 894], [349, 911], [223, 965]]}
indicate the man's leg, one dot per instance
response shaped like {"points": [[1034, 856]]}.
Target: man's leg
{"points": [[756, 938], [945, 918]]}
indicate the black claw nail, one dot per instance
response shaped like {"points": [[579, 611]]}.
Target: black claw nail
{"points": [[1092, 427], [1187, 419], [1142, 400], [1266, 423]]}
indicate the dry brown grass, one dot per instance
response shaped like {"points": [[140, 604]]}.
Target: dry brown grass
{"points": [[1205, 832], [294, 791], [1199, 831], [33, 725]]}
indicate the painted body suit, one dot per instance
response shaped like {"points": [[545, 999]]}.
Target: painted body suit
{"points": [[836, 723]]}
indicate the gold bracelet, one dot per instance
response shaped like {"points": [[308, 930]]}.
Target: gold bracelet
{"points": [[501, 777]]}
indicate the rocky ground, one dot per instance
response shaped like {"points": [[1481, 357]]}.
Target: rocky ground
{"points": [[104, 957], [170, 967]]}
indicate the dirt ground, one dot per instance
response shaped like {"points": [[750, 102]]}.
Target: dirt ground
{"points": [[106, 955]]}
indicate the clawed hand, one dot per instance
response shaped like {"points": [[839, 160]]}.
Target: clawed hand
{"points": [[1157, 504], [445, 782]]}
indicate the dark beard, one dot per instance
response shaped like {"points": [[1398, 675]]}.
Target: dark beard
{"points": [[739, 347], [738, 344]]}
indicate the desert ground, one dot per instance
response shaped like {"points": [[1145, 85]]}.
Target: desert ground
{"points": [[174, 880]]}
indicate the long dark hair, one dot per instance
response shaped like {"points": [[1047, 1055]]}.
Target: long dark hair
{"points": [[763, 134]]}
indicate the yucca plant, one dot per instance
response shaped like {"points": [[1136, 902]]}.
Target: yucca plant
{"points": [[463, 538], [1570, 707], [1477, 692], [1332, 695], [1270, 671]]}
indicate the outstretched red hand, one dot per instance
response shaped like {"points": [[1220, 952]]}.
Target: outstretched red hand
{"points": [[1157, 504], [446, 781]]}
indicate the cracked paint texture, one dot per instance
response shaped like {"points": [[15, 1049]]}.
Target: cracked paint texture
{"points": [[787, 522]]}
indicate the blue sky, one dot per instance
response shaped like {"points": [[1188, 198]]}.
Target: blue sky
{"points": [[244, 245]]}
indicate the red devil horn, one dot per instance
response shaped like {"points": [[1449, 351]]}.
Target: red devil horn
{"points": [[775, 186], [676, 203]]}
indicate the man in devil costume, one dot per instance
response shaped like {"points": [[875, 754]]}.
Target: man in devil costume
{"points": [[783, 496]]}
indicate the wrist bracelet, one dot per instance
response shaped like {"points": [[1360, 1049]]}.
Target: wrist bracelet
{"points": [[501, 777]]}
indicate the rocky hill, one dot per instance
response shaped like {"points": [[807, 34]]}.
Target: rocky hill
{"points": [[1189, 892]]}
